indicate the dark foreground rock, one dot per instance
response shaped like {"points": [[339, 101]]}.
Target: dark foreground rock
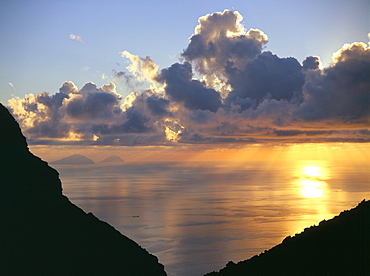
{"points": [[43, 233], [340, 246]]}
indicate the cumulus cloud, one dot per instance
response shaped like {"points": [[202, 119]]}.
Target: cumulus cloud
{"points": [[144, 69], [341, 91], [181, 88], [312, 63], [226, 89], [158, 106], [76, 37], [221, 43], [222, 50], [354, 51], [266, 76], [92, 103]]}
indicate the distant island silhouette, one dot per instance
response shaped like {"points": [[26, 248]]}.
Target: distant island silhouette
{"points": [[43, 233], [74, 159], [113, 159], [339, 246]]}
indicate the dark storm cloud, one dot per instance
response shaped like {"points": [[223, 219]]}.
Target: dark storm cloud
{"points": [[237, 93], [266, 76], [136, 121], [132, 121], [158, 106], [311, 63], [200, 116], [93, 105], [180, 87], [50, 129], [339, 92], [53, 102]]}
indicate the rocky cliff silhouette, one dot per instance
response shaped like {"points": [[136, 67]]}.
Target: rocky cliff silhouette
{"points": [[43, 233], [340, 246]]}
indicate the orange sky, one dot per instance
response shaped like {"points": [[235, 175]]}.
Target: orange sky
{"points": [[346, 152]]}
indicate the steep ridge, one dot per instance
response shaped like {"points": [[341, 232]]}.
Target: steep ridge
{"points": [[43, 233], [340, 246]]}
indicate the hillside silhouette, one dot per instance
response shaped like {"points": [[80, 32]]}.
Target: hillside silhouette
{"points": [[74, 159], [43, 233], [340, 246]]}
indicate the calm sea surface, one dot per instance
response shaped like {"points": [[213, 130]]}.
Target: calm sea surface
{"points": [[195, 217]]}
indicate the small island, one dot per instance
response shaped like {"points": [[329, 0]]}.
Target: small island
{"points": [[113, 159], [75, 159]]}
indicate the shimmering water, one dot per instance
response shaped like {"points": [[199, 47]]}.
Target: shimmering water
{"points": [[195, 217]]}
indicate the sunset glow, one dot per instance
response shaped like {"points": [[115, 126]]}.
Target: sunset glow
{"points": [[273, 154], [207, 130]]}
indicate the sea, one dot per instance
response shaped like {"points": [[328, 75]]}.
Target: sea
{"points": [[197, 216]]}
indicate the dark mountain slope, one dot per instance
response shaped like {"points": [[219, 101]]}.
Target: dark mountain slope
{"points": [[340, 246], [43, 233]]}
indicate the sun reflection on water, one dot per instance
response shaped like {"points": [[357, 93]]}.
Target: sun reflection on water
{"points": [[312, 171], [311, 180], [312, 188], [310, 184]]}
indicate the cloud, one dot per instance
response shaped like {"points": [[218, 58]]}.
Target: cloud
{"points": [[92, 103], [266, 76], [103, 76], [226, 89], [158, 106], [221, 43], [341, 91], [65, 114], [312, 63], [354, 51], [76, 37], [223, 51], [181, 88], [144, 69], [12, 85]]}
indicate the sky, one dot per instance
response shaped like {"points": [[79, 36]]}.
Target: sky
{"points": [[164, 72]]}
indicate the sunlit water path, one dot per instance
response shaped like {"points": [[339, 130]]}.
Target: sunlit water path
{"points": [[196, 217]]}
